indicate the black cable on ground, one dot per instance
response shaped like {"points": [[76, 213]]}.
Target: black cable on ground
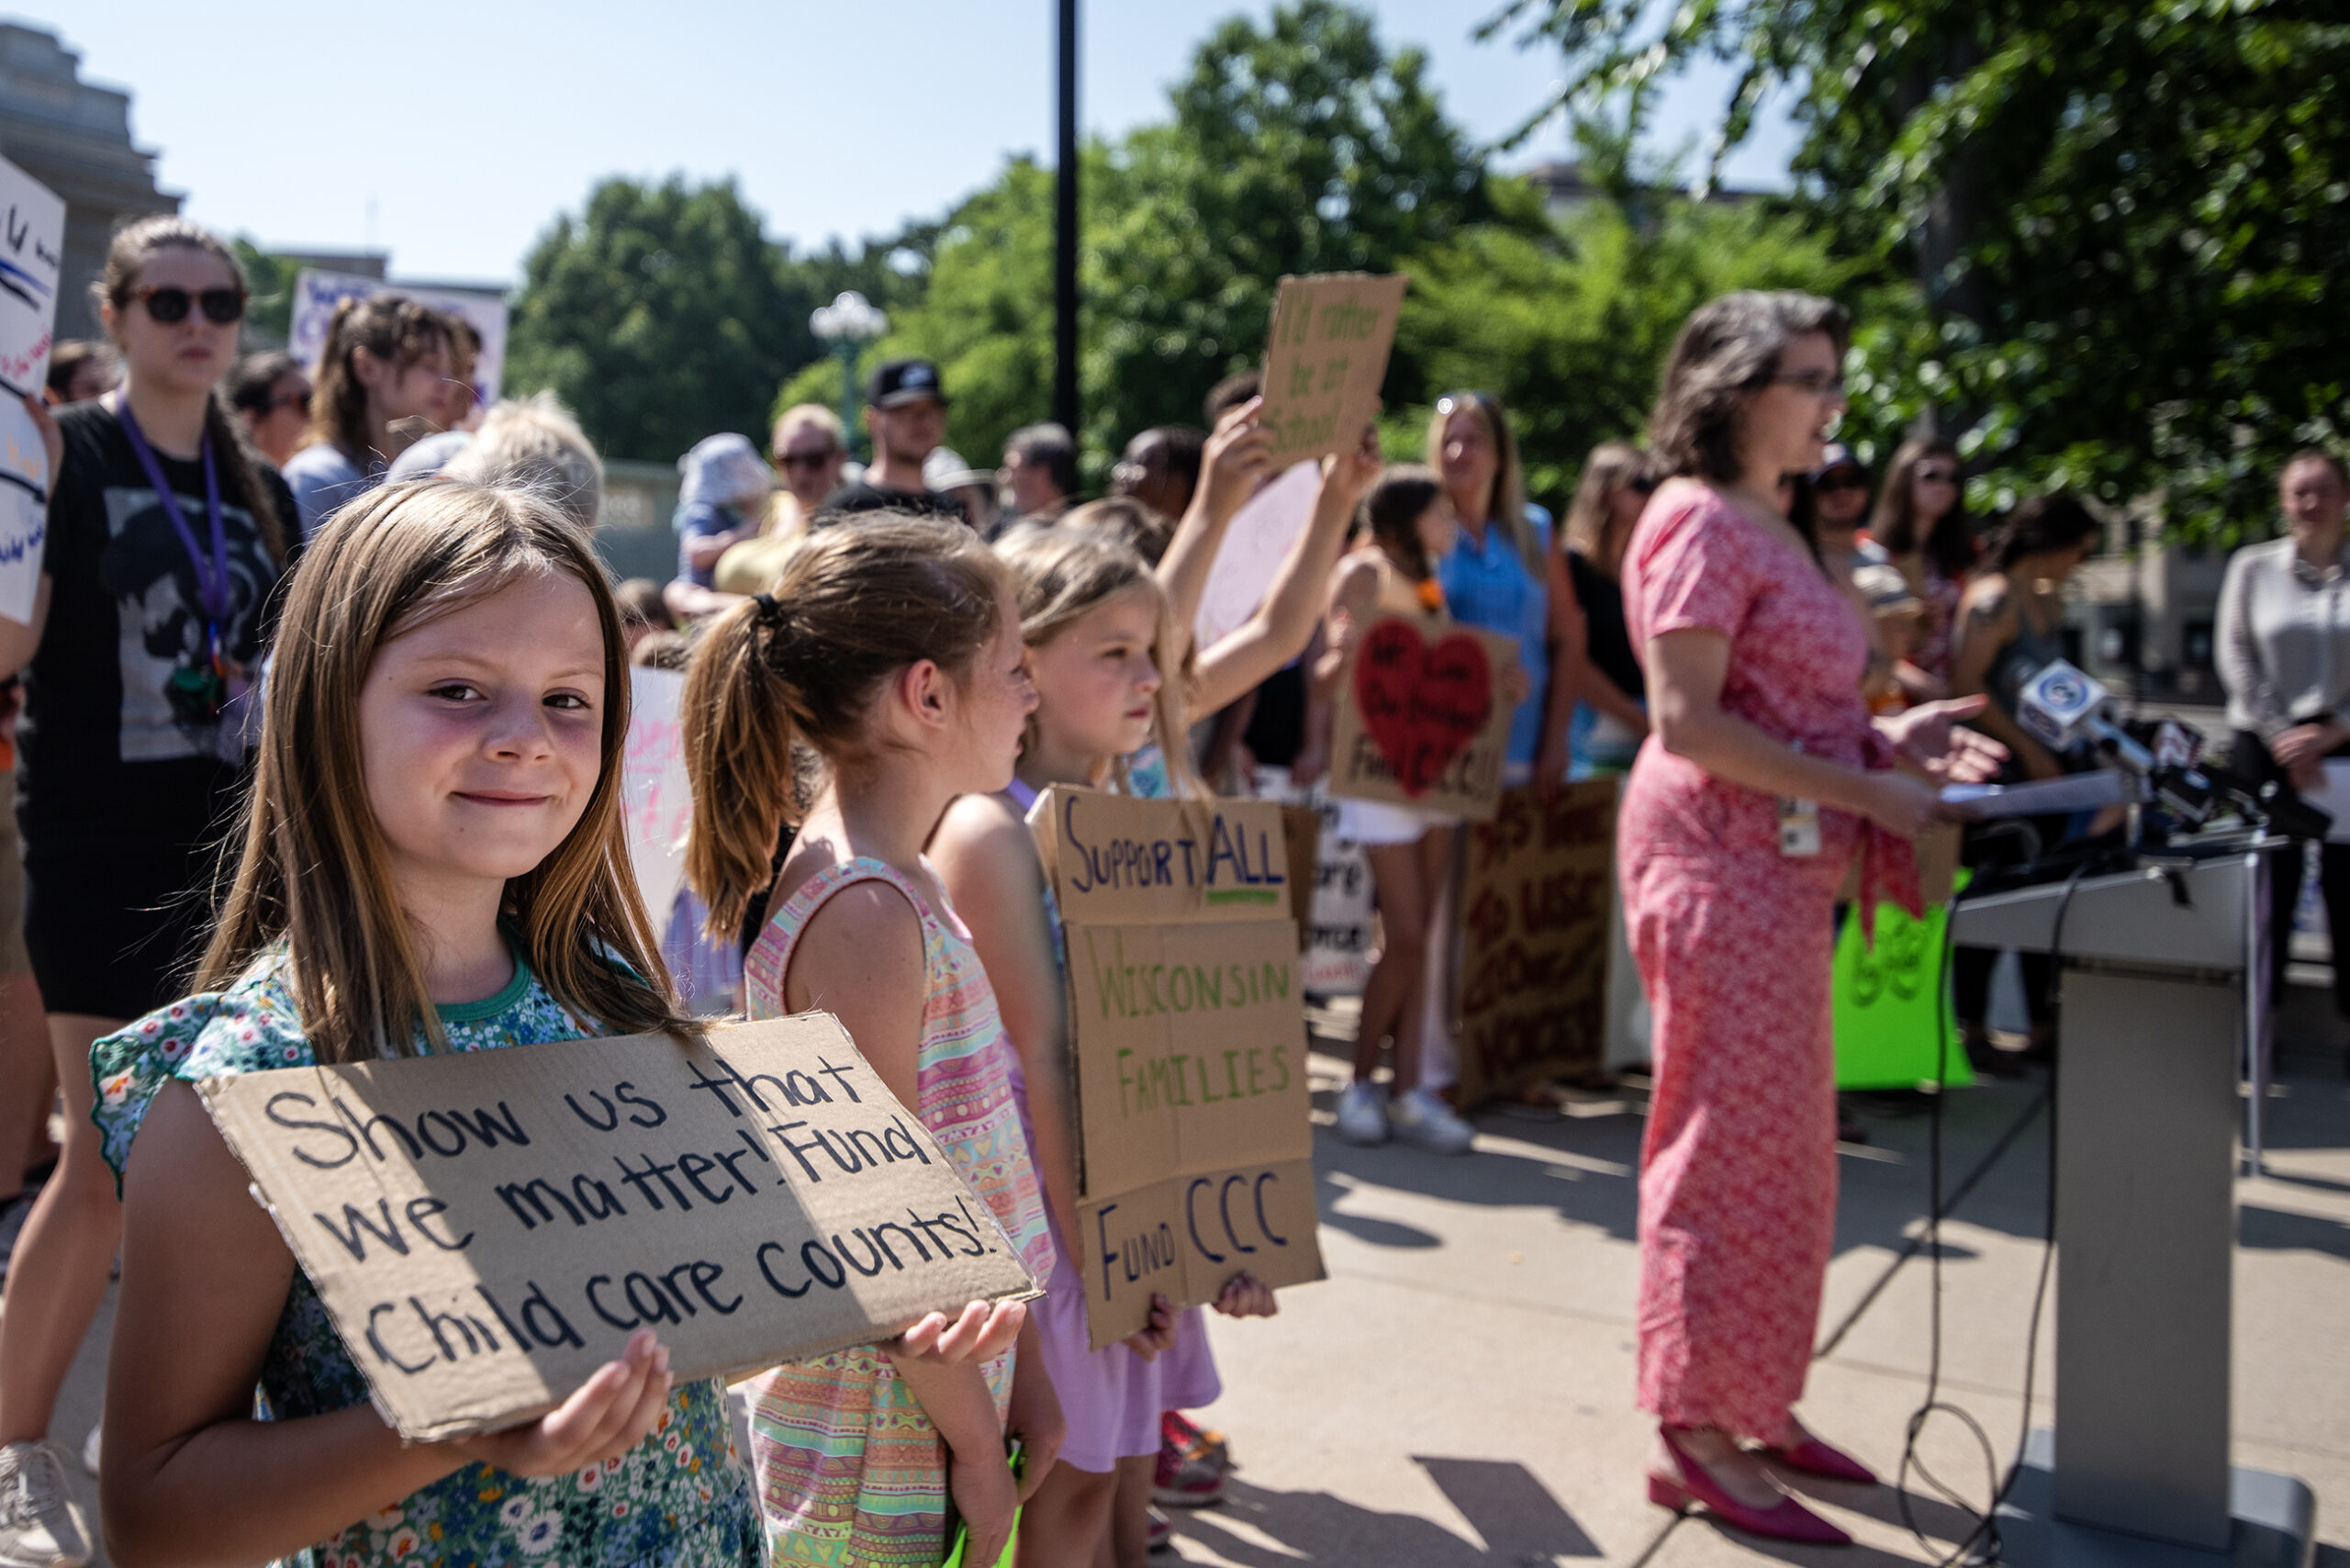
{"points": [[1982, 1544]]}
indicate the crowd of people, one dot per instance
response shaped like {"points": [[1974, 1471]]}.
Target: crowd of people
{"points": [[350, 625]]}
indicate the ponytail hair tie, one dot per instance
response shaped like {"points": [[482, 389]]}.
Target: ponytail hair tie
{"points": [[770, 611]]}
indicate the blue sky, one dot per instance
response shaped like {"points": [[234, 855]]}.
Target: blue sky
{"points": [[452, 134]]}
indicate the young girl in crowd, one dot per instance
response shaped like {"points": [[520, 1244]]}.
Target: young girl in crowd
{"points": [[387, 359], [433, 860], [167, 540], [1097, 629], [1411, 527], [890, 651]]}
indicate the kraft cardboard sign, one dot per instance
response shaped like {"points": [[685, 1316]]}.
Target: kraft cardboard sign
{"points": [[1188, 1033], [1421, 721], [486, 1228], [1325, 355], [1536, 921]]}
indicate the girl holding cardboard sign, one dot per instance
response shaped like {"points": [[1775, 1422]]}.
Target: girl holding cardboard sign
{"points": [[1098, 631], [891, 650], [1412, 526], [433, 859]]}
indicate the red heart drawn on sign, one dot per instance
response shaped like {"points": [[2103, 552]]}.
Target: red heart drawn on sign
{"points": [[1421, 704]]}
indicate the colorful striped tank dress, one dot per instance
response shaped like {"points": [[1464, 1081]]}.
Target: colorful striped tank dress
{"points": [[850, 1470]]}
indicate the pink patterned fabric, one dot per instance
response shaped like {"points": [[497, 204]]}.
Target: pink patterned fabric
{"points": [[1738, 1175]]}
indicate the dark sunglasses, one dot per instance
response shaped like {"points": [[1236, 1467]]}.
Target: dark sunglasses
{"points": [[1846, 480], [290, 400], [791, 459], [1937, 475], [1644, 485], [168, 304]]}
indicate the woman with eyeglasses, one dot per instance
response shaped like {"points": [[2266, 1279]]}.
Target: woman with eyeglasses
{"points": [[271, 393], [1921, 519], [389, 361], [1600, 675], [1763, 779], [167, 541]]}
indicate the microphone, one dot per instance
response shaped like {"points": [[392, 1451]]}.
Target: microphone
{"points": [[2064, 708]]}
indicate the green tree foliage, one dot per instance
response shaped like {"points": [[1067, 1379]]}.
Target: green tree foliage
{"points": [[1300, 147], [1569, 328], [2121, 216], [661, 315]]}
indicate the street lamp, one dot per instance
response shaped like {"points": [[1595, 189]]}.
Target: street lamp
{"points": [[845, 325]]}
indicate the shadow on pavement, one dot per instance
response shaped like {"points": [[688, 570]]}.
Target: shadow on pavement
{"points": [[1516, 1516]]}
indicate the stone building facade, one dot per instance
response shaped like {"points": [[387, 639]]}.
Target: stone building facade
{"points": [[74, 138]]}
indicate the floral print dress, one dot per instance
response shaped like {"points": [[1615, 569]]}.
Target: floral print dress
{"points": [[677, 1500]]}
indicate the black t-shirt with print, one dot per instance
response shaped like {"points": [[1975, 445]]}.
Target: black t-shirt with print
{"points": [[103, 756]]}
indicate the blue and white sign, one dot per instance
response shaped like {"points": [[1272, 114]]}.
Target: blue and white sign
{"points": [[316, 293]]}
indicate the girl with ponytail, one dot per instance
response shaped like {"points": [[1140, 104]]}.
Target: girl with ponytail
{"points": [[880, 678]]}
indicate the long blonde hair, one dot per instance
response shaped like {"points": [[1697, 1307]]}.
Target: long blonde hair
{"points": [[800, 665], [1505, 504], [1063, 574], [1612, 466], [313, 871]]}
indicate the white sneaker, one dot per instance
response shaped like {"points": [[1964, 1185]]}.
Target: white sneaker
{"points": [[1362, 1114], [1420, 1118], [90, 1450], [40, 1526]]}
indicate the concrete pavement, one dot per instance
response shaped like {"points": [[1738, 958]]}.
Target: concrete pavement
{"points": [[1460, 1391]]}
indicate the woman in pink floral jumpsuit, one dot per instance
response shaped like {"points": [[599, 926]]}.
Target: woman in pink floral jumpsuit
{"points": [[1764, 777]]}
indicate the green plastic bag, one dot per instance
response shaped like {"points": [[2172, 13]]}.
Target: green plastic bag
{"points": [[1893, 1013], [961, 1545]]}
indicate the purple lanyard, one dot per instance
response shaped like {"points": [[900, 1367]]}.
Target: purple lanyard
{"points": [[1022, 791], [212, 586]]}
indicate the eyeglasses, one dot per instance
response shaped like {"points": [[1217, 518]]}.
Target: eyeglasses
{"points": [[167, 304], [1643, 485], [287, 400], [1847, 480], [791, 461], [1813, 383]]}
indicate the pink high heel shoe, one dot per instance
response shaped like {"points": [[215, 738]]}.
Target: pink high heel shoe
{"points": [[1785, 1520], [1813, 1457]]}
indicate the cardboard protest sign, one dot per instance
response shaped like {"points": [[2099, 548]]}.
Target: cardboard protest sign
{"points": [[1421, 721], [1535, 916], [316, 293], [32, 248], [1256, 542], [486, 1228], [1334, 888], [656, 803], [1188, 1035], [1324, 357]]}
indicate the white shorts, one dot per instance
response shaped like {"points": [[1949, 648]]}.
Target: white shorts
{"points": [[1375, 825]]}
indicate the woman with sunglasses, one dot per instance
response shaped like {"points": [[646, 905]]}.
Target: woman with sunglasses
{"points": [[271, 393], [389, 361], [1599, 673], [167, 541], [1921, 519]]}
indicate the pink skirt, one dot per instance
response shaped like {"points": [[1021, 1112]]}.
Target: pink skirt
{"points": [[1112, 1398]]}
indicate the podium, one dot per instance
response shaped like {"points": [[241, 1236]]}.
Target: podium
{"points": [[2153, 965]]}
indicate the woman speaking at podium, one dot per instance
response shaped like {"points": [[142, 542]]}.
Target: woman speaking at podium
{"points": [[1763, 779]]}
